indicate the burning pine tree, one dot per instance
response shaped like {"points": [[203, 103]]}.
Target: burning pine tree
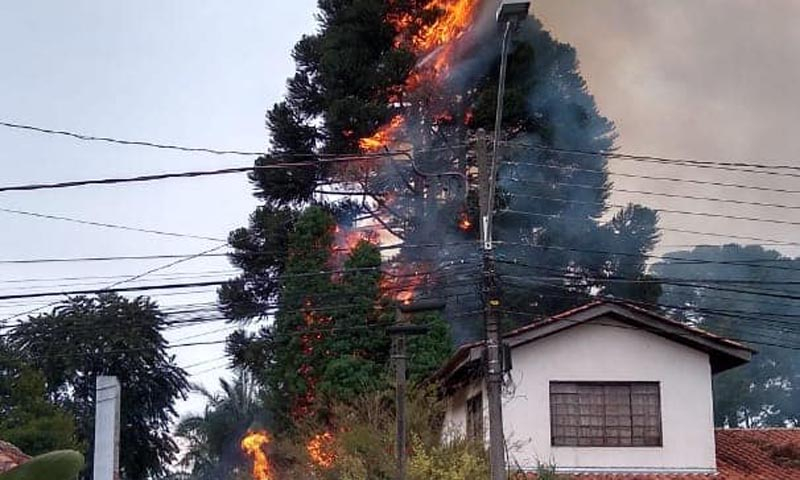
{"points": [[420, 83], [405, 97]]}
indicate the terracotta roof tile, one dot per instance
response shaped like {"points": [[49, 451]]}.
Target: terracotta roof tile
{"points": [[10, 456], [763, 454], [768, 454]]}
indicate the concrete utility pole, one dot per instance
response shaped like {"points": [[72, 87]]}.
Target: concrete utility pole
{"points": [[400, 333], [106, 428], [509, 14]]}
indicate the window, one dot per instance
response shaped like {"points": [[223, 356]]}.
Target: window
{"points": [[475, 417], [615, 414]]}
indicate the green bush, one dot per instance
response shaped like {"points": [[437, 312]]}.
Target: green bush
{"points": [[59, 465], [455, 460]]}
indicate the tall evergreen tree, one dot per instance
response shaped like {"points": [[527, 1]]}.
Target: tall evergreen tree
{"points": [[559, 244], [326, 342], [766, 391], [319, 343]]}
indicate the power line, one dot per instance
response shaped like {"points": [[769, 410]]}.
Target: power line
{"points": [[170, 276], [657, 306], [668, 229], [654, 178], [663, 210], [137, 143], [677, 260], [109, 225], [698, 284], [204, 362], [615, 189], [171, 286], [115, 284], [25, 261], [653, 158], [253, 153], [368, 326]]}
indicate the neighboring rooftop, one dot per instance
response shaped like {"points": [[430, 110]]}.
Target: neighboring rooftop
{"points": [[724, 353], [10, 456], [757, 454]]}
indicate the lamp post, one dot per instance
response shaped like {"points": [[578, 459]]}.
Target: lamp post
{"points": [[509, 13]]}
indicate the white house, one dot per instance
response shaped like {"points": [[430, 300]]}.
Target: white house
{"points": [[604, 388]]}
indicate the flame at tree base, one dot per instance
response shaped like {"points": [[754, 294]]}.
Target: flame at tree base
{"points": [[320, 450], [253, 445]]}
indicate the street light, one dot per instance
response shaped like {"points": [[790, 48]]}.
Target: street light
{"points": [[509, 14], [513, 10]]}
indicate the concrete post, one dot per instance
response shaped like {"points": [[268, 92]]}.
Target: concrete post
{"points": [[106, 428]]}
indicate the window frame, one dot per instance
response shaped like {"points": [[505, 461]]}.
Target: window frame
{"points": [[645, 420], [475, 421]]}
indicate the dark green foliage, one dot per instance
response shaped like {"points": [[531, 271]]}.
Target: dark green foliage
{"points": [[342, 82], [427, 353], [320, 343], [86, 337], [327, 342], [293, 142], [27, 418], [260, 251], [765, 392]]}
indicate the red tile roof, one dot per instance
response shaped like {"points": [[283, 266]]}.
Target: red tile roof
{"points": [[764, 454], [10, 456], [769, 454]]}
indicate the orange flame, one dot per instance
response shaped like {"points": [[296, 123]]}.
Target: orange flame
{"points": [[456, 17], [320, 450], [387, 134], [346, 239], [405, 297], [404, 281], [310, 343], [253, 445], [436, 42], [464, 223]]}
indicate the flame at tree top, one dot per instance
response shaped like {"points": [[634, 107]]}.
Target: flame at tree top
{"points": [[434, 44], [253, 445], [455, 19]]}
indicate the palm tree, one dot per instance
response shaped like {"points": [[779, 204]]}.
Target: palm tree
{"points": [[211, 440]]}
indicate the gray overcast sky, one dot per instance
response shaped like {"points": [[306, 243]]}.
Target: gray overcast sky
{"points": [[708, 79], [705, 79], [183, 71]]}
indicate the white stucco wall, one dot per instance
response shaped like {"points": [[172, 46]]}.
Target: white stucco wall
{"points": [[455, 418], [599, 351]]}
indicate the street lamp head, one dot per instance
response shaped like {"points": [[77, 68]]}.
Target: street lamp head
{"points": [[512, 10]]}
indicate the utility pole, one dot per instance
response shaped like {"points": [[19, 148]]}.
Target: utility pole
{"points": [[400, 332], [508, 14], [106, 429]]}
